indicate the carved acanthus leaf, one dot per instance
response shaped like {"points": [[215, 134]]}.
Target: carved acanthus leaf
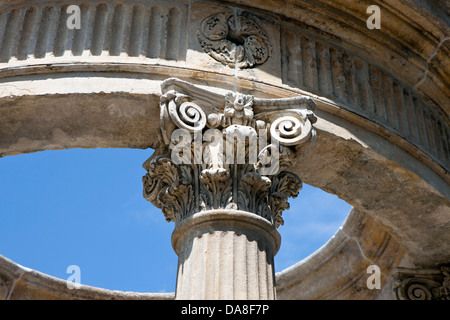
{"points": [[178, 200], [253, 194], [284, 186], [227, 151], [161, 173], [216, 189]]}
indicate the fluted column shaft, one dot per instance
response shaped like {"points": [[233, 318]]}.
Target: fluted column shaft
{"points": [[225, 254]]}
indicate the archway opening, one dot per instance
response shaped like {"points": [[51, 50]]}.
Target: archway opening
{"points": [[84, 207]]}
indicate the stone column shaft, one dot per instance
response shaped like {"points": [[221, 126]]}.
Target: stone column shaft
{"points": [[225, 255]]}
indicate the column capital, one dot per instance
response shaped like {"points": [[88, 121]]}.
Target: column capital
{"points": [[422, 284], [226, 151]]}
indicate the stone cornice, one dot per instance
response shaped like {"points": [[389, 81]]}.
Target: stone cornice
{"points": [[409, 44], [413, 26], [328, 60]]}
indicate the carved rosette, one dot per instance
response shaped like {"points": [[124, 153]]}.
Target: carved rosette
{"points": [[234, 39], [228, 151], [422, 284]]}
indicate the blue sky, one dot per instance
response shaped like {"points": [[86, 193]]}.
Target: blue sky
{"points": [[85, 207]]}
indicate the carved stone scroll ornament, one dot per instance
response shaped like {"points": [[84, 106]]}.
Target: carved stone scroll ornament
{"points": [[228, 151], [234, 39], [422, 284]]}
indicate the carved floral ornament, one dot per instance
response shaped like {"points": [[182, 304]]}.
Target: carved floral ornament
{"points": [[422, 284], [234, 39], [226, 152]]}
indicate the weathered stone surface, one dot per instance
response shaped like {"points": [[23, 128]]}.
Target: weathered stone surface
{"points": [[98, 120], [338, 270], [394, 194]]}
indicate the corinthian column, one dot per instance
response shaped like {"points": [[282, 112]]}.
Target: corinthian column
{"points": [[221, 175]]}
